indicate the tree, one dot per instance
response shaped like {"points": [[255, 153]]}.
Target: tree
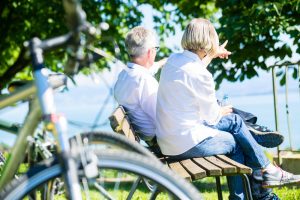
{"points": [[21, 20], [253, 28], [256, 30]]}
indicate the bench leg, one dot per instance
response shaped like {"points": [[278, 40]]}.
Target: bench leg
{"points": [[133, 188], [247, 187], [219, 188], [154, 194]]}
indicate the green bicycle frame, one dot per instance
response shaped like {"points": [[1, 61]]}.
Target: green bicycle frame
{"points": [[30, 124]]}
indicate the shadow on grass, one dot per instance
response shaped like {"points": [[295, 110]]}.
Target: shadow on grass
{"points": [[206, 184], [127, 186]]}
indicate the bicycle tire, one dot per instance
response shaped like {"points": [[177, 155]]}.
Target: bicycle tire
{"points": [[115, 140], [130, 162]]}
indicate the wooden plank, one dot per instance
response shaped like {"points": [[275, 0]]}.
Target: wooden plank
{"points": [[211, 169], [176, 166], [194, 170], [226, 168], [127, 130], [119, 114], [116, 118], [114, 123], [240, 167]]}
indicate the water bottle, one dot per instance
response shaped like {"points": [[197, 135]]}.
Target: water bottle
{"points": [[225, 101]]}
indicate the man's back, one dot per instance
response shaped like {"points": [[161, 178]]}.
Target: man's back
{"points": [[136, 91]]}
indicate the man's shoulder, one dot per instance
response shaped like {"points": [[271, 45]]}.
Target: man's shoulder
{"points": [[125, 77], [134, 79]]}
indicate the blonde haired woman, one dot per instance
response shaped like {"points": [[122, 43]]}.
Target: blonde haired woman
{"points": [[190, 123]]}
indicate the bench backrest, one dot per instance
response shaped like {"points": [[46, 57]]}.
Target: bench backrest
{"points": [[120, 123]]}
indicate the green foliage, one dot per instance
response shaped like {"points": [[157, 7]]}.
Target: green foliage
{"points": [[22, 20], [254, 30]]}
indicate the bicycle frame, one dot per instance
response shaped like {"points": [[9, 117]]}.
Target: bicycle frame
{"points": [[42, 109], [30, 124]]}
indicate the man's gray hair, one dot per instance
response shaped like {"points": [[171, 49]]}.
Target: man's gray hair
{"points": [[139, 40]]}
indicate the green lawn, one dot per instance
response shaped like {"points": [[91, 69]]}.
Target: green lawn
{"points": [[207, 188]]}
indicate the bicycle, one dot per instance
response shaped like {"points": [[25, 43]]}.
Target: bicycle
{"points": [[79, 164]]}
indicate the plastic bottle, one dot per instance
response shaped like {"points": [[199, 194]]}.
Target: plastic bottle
{"points": [[225, 101]]}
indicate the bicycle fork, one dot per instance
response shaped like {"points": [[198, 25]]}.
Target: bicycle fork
{"points": [[54, 122]]}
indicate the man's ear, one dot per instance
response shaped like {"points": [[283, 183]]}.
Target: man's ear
{"points": [[149, 53]]}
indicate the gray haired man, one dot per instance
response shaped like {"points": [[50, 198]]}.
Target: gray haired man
{"points": [[136, 88]]}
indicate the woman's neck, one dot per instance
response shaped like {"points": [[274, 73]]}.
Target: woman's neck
{"points": [[200, 53], [204, 57]]}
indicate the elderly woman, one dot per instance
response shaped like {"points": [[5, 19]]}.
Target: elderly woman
{"points": [[190, 123]]}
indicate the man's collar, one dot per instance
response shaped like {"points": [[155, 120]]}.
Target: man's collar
{"points": [[131, 65]]}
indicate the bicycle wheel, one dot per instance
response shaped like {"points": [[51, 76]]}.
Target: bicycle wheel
{"points": [[119, 177], [102, 139]]}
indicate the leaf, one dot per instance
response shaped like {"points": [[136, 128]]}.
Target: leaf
{"points": [[295, 73], [282, 80]]}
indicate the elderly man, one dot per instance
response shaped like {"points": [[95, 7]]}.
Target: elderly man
{"points": [[136, 88]]}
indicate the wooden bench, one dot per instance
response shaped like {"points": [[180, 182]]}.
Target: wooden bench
{"points": [[190, 169]]}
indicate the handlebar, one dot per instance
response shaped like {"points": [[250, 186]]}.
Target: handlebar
{"points": [[81, 34], [75, 16]]}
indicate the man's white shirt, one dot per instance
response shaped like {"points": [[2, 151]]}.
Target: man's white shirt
{"points": [[186, 100], [136, 90]]}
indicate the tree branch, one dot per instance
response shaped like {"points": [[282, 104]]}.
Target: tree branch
{"points": [[19, 65]]}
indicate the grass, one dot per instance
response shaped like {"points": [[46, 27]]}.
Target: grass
{"points": [[140, 194], [207, 188]]}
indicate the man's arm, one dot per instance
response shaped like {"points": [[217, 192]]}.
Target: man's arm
{"points": [[157, 65]]}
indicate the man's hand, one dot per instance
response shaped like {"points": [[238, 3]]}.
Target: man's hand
{"points": [[225, 110]]}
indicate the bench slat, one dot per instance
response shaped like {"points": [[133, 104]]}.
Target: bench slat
{"points": [[116, 118], [126, 129], [176, 166], [211, 169], [226, 168], [194, 170], [241, 168]]}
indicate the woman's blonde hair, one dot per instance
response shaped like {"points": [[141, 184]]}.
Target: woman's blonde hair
{"points": [[200, 34]]}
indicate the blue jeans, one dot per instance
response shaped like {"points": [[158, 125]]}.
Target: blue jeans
{"points": [[235, 141]]}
